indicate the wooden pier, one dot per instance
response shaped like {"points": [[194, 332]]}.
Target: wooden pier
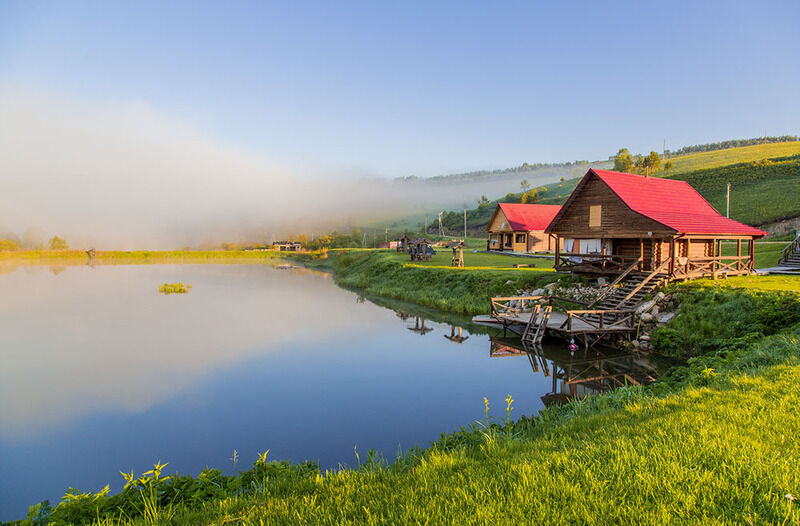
{"points": [[534, 316]]}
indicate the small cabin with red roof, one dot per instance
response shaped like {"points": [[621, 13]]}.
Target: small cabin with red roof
{"points": [[613, 222], [520, 228]]}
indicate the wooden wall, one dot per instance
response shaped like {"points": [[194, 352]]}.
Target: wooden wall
{"points": [[617, 220]]}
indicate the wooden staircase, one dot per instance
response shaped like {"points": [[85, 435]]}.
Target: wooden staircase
{"points": [[630, 289], [790, 257]]}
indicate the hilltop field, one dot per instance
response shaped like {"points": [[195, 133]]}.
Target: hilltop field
{"points": [[765, 179]]}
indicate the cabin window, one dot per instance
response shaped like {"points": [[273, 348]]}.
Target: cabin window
{"points": [[595, 213], [520, 238]]}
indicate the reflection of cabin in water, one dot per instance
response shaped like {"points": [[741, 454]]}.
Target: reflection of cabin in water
{"points": [[614, 221], [520, 228], [287, 246], [581, 374]]}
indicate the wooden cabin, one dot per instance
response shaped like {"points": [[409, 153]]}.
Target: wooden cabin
{"points": [[613, 221], [287, 246], [520, 228]]}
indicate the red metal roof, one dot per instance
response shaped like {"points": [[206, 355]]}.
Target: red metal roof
{"points": [[527, 217], [672, 203]]}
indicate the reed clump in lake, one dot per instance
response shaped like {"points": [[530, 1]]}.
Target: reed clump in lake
{"points": [[174, 288], [721, 425]]}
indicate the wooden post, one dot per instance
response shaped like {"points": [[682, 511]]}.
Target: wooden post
{"points": [[641, 254], [739, 254], [558, 252], [671, 257]]}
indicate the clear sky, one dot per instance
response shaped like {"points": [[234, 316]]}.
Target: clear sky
{"points": [[393, 89]]}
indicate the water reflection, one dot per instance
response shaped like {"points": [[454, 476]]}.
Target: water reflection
{"points": [[456, 335], [419, 326], [579, 374]]}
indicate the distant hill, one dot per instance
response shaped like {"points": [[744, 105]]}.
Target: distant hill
{"points": [[764, 188], [456, 192], [711, 159]]}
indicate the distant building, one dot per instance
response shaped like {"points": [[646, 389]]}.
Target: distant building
{"points": [[520, 228], [614, 220], [287, 246], [389, 244]]}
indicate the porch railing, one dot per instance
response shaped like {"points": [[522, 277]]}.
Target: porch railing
{"points": [[598, 262], [685, 267]]}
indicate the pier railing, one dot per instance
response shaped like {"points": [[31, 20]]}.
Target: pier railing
{"points": [[600, 320], [510, 306], [605, 263]]}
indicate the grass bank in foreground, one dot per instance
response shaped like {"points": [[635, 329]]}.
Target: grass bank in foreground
{"points": [[712, 442]]}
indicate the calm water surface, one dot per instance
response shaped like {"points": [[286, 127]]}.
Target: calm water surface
{"points": [[100, 373]]}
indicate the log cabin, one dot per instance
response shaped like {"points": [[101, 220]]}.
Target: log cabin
{"points": [[616, 221], [520, 228]]}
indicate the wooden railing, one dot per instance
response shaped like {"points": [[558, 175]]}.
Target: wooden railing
{"points": [[711, 266], [511, 305], [598, 262], [790, 249], [616, 282], [599, 319]]}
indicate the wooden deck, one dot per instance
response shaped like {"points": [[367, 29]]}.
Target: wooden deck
{"points": [[559, 322]]}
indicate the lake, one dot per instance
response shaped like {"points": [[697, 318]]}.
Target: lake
{"points": [[99, 373]]}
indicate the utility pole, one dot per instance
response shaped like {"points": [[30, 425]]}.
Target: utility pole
{"points": [[728, 205], [386, 235], [465, 224], [664, 149], [441, 230], [364, 243], [425, 231]]}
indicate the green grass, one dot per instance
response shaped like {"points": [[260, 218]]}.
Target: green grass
{"points": [[435, 284], [773, 282], [703, 160], [141, 257]]}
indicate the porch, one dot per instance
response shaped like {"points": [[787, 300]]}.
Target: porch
{"points": [[678, 257]]}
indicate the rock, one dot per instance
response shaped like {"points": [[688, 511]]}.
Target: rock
{"points": [[647, 317], [509, 282], [646, 306], [654, 310], [635, 344], [602, 281], [660, 296], [645, 346], [550, 286], [665, 317], [539, 292], [645, 337]]}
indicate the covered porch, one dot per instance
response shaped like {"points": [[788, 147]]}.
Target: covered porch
{"points": [[679, 256]]}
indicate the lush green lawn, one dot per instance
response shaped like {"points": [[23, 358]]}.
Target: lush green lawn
{"points": [[774, 282], [702, 160]]}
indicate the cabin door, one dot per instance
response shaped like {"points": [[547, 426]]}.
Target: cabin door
{"points": [[650, 256]]}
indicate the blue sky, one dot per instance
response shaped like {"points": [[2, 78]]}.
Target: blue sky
{"points": [[423, 88]]}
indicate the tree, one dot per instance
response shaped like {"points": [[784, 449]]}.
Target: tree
{"points": [[56, 243], [483, 202], [523, 198], [623, 161], [532, 196], [668, 166], [651, 162], [8, 244], [524, 184], [541, 190], [562, 180]]}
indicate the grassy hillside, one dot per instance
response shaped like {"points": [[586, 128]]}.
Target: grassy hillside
{"points": [[763, 190], [703, 160]]}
